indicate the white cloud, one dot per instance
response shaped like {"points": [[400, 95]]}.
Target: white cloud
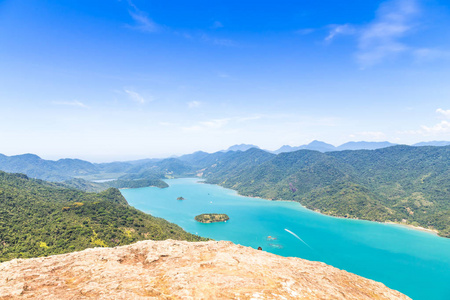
{"points": [[216, 123], [216, 25], [223, 75], [441, 127], [336, 30], [143, 22], [428, 54], [135, 96], [382, 38], [208, 125], [305, 31], [217, 41], [193, 104], [249, 118], [443, 112], [75, 103]]}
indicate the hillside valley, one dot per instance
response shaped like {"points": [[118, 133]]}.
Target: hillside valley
{"points": [[402, 184], [39, 218]]}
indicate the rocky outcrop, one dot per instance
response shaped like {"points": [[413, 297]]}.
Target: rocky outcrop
{"points": [[181, 270]]}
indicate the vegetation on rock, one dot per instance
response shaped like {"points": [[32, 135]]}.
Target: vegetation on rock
{"points": [[211, 218], [402, 184], [39, 218]]}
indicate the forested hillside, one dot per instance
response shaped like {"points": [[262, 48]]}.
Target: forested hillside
{"points": [[40, 218], [400, 184]]}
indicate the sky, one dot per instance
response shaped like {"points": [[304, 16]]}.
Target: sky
{"points": [[121, 80]]}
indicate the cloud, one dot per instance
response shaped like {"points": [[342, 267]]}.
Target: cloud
{"points": [[193, 104], [141, 20], [336, 30], [216, 25], [249, 118], [218, 41], [223, 75], [305, 31], [443, 112], [372, 135], [207, 125], [381, 39], [441, 127], [385, 36], [75, 103], [216, 123], [135, 96], [428, 54], [220, 123]]}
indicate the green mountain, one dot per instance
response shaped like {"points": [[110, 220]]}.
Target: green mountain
{"points": [[39, 218], [401, 184]]}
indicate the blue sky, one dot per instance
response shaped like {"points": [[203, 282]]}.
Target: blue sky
{"points": [[116, 80]]}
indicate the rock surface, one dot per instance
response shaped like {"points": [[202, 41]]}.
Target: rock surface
{"points": [[181, 270]]}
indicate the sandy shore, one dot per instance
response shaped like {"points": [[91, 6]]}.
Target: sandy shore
{"points": [[432, 231]]}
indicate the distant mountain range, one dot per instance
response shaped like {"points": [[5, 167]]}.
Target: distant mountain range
{"points": [[433, 143], [398, 183], [325, 147], [241, 147]]}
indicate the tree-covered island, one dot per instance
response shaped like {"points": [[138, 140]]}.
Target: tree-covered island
{"points": [[211, 218]]}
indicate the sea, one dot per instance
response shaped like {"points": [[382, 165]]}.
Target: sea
{"points": [[413, 262]]}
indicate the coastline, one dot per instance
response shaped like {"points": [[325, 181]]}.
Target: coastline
{"points": [[428, 230], [409, 226]]}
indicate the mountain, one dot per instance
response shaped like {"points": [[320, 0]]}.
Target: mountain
{"points": [[433, 143], [36, 167], [134, 181], [402, 184], [39, 218], [234, 162], [182, 270], [324, 147], [364, 145], [69, 169], [319, 146], [241, 147], [314, 145], [286, 148]]}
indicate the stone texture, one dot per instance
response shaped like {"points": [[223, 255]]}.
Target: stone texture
{"points": [[181, 270]]}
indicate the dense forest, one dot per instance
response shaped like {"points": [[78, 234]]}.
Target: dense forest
{"points": [[403, 184], [39, 218], [400, 184]]}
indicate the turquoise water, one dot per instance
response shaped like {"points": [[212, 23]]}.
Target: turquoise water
{"points": [[413, 262]]}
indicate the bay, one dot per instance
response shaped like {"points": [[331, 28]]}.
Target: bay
{"points": [[413, 262]]}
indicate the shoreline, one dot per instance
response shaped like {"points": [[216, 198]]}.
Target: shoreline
{"points": [[419, 228], [409, 226]]}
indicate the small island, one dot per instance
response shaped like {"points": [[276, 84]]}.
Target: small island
{"points": [[180, 198], [211, 218]]}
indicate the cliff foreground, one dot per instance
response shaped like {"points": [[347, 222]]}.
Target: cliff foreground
{"points": [[181, 270]]}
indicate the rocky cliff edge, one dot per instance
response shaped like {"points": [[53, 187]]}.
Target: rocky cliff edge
{"points": [[181, 270]]}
